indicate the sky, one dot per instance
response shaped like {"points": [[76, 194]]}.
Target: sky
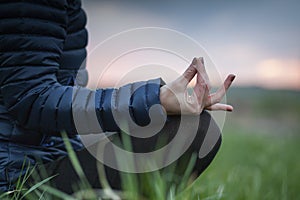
{"points": [[259, 41]]}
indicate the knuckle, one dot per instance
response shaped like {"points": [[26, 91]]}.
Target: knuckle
{"points": [[218, 100], [203, 84]]}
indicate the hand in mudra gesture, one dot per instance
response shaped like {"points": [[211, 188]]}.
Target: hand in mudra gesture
{"points": [[176, 99]]}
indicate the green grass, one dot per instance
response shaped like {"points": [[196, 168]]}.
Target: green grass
{"points": [[249, 166], [252, 166]]}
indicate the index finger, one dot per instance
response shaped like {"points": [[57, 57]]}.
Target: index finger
{"points": [[188, 74]]}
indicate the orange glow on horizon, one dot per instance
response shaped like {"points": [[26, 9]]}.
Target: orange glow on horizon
{"points": [[275, 73]]}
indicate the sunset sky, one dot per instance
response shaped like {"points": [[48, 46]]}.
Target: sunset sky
{"points": [[259, 41]]}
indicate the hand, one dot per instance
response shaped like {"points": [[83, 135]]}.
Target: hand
{"points": [[175, 97]]}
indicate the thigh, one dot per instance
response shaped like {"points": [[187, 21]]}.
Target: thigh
{"points": [[190, 133]]}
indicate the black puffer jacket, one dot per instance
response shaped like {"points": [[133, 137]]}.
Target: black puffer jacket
{"points": [[42, 47]]}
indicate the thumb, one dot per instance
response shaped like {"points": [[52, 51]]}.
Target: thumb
{"points": [[190, 72]]}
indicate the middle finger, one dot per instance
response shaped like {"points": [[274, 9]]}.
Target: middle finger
{"points": [[202, 75]]}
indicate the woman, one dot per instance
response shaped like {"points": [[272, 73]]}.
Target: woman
{"points": [[42, 47]]}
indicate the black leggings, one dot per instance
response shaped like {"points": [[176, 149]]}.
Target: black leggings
{"points": [[66, 175]]}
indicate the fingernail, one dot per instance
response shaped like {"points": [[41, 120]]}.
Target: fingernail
{"points": [[194, 61], [232, 78], [229, 109], [202, 60]]}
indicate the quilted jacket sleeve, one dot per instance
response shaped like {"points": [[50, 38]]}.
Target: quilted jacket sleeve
{"points": [[32, 36]]}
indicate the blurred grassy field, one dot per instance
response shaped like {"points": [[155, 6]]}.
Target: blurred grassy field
{"points": [[259, 157]]}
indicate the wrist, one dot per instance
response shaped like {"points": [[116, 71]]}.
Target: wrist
{"points": [[163, 97]]}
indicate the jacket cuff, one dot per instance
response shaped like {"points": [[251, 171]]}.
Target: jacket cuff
{"points": [[132, 102], [143, 98]]}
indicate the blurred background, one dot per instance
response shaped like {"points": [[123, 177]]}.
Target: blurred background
{"points": [[259, 42]]}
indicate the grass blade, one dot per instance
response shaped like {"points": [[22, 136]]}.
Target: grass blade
{"points": [[38, 185]]}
